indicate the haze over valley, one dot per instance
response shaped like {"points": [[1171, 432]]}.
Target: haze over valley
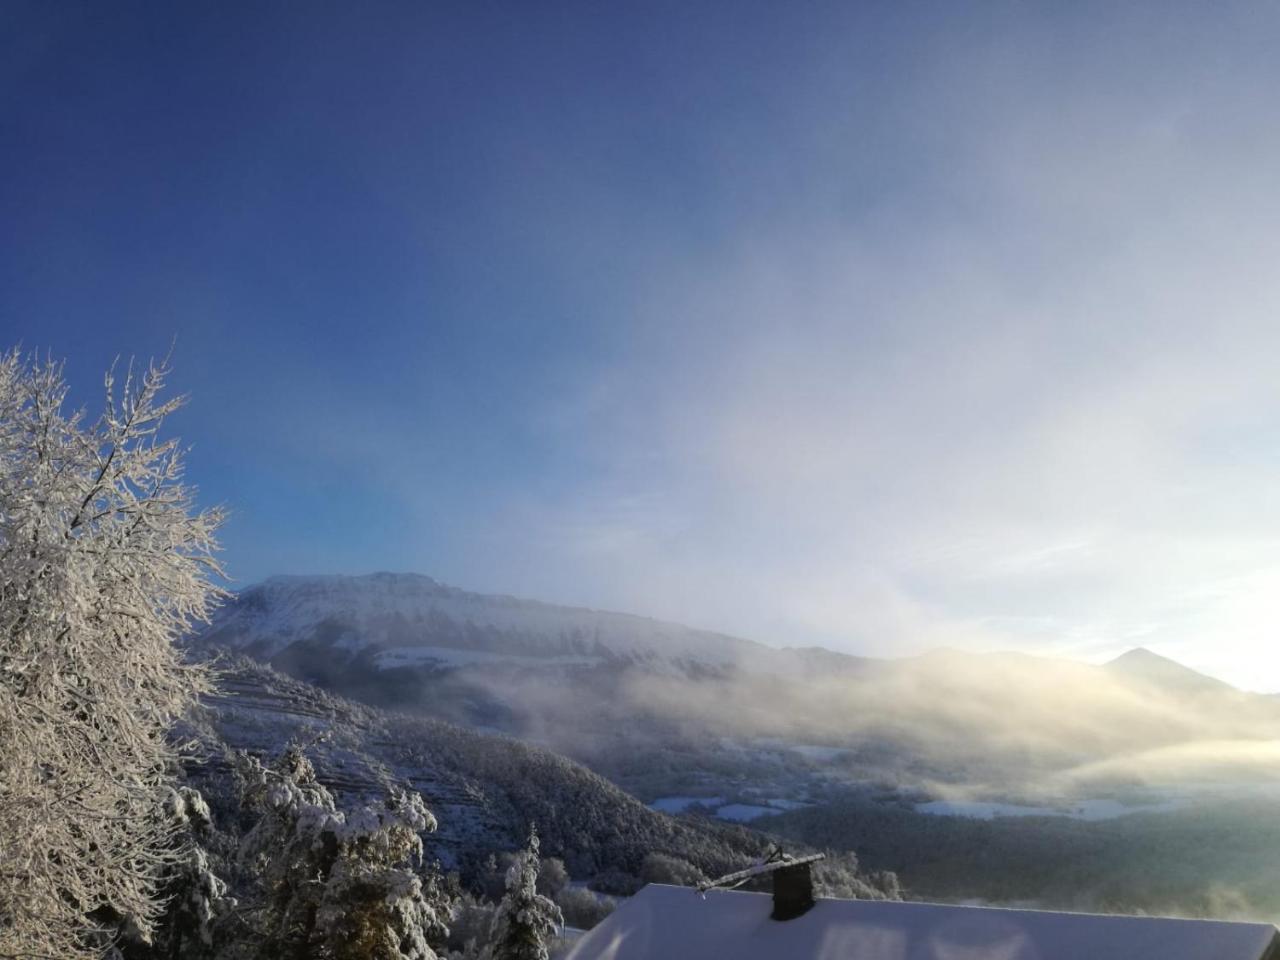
{"points": [[801, 742]]}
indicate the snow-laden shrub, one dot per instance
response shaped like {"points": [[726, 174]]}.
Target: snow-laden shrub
{"points": [[104, 560], [616, 883], [664, 868], [840, 876]]}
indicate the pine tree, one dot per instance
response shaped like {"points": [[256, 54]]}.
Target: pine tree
{"points": [[195, 897], [337, 885], [525, 920], [104, 560]]}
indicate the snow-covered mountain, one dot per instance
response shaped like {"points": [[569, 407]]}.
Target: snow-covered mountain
{"points": [[392, 620], [632, 696]]}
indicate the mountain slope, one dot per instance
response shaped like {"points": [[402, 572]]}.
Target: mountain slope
{"points": [[485, 790], [396, 619], [666, 710]]}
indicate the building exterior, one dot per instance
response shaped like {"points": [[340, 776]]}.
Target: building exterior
{"points": [[679, 923]]}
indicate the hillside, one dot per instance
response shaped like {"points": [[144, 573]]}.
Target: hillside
{"points": [[1211, 859], [484, 789]]}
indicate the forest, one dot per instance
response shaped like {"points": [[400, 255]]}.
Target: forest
{"points": [[1211, 859]]}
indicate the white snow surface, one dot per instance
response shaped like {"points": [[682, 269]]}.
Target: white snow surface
{"points": [[396, 612], [676, 923], [735, 812]]}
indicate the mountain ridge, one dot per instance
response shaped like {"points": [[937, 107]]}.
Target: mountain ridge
{"points": [[662, 709], [388, 607], [235, 626]]}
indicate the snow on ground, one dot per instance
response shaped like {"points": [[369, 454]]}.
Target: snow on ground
{"points": [[666, 921]]}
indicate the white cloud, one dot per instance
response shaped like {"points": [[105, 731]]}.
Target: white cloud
{"points": [[1017, 394]]}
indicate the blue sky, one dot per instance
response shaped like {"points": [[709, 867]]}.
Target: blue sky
{"points": [[881, 326]]}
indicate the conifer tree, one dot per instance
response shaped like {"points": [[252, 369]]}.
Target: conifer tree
{"points": [[336, 885], [525, 920], [195, 898]]}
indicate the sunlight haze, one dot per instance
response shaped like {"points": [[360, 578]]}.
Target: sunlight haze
{"points": [[882, 328]]}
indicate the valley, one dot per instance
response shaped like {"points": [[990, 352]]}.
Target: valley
{"points": [[1034, 768]]}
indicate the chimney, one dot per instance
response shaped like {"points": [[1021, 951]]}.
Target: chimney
{"points": [[792, 882], [792, 890]]}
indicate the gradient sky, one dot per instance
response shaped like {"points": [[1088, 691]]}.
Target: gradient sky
{"points": [[879, 326]]}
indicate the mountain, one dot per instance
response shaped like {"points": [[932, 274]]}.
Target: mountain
{"points": [[395, 620], [561, 676], [668, 711], [1140, 665]]}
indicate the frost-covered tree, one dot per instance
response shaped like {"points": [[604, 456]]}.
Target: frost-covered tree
{"points": [[582, 908], [336, 884], [525, 920], [664, 868], [195, 896], [104, 560]]}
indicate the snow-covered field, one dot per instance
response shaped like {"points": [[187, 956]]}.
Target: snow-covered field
{"points": [[734, 812]]}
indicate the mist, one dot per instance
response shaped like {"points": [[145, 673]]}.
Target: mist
{"points": [[951, 724]]}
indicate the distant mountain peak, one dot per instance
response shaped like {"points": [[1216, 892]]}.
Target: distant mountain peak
{"points": [[1143, 664], [1141, 655]]}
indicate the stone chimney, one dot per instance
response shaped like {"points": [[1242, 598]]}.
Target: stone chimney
{"points": [[792, 889]]}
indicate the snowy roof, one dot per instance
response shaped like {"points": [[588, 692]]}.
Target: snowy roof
{"points": [[675, 923]]}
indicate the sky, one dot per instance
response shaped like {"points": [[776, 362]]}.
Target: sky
{"points": [[879, 326]]}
